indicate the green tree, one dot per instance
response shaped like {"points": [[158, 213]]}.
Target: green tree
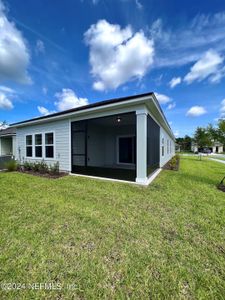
{"points": [[221, 130], [202, 137]]}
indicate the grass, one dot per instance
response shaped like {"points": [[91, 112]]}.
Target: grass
{"points": [[104, 240]]}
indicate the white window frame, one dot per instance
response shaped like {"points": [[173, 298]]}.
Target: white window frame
{"points": [[43, 146], [32, 146], [167, 146], [34, 154], [47, 158], [162, 146], [118, 152]]}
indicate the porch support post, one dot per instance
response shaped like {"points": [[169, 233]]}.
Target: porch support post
{"points": [[141, 132]]}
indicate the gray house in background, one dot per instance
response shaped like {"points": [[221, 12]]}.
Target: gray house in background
{"points": [[127, 138], [7, 145]]}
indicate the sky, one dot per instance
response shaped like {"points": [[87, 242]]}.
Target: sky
{"points": [[55, 55]]}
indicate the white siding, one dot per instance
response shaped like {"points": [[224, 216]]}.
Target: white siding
{"points": [[167, 154], [62, 149]]}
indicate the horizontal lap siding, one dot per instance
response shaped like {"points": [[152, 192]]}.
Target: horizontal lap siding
{"points": [[62, 141], [167, 156]]}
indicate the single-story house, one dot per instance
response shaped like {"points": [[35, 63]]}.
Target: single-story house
{"points": [[216, 147], [125, 138], [7, 145]]}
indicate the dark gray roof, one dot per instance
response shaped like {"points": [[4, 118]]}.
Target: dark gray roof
{"points": [[96, 104], [8, 131]]}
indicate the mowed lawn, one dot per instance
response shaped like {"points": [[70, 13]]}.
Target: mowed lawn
{"points": [[104, 240]]}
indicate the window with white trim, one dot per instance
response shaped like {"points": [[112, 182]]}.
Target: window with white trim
{"points": [[167, 146], [49, 145], [38, 145], [29, 145], [162, 146], [170, 147]]}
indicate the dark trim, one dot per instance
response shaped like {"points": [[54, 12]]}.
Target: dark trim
{"points": [[82, 108]]}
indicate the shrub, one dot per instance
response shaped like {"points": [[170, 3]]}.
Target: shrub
{"points": [[43, 167], [173, 163], [27, 166], [54, 169], [11, 165]]}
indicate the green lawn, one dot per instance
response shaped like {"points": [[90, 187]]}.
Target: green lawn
{"points": [[113, 240]]}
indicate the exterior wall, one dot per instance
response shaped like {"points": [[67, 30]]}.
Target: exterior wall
{"points": [[167, 153], [62, 142]]}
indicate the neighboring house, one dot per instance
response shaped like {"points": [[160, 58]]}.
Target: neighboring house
{"points": [[177, 148], [126, 138], [216, 147], [7, 145]]}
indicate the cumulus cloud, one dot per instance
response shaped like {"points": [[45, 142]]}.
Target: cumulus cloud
{"points": [[14, 54], [40, 47], [44, 111], [208, 66], [171, 106], [163, 99], [117, 55], [196, 111], [68, 99], [174, 81], [5, 102]]}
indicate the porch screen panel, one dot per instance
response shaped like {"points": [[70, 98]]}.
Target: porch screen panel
{"points": [[78, 136], [153, 145]]}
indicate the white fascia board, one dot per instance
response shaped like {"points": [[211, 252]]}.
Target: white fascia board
{"points": [[105, 108]]}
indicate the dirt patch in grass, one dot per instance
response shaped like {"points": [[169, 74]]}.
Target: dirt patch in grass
{"points": [[45, 175], [221, 187]]}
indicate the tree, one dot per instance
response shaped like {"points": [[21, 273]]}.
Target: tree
{"points": [[221, 130], [213, 133], [202, 137], [3, 125], [185, 143]]}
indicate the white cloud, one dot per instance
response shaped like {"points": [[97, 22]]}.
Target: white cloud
{"points": [[5, 102], [187, 43], [44, 111], [176, 133], [174, 81], [117, 55], [68, 99], [14, 55], [222, 109], [40, 47], [171, 106], [196, 111], [6, 89], [208, 66], [163, 99], [138, 4]]}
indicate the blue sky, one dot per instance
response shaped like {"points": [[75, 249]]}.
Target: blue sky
{"points": [[62, 54]]}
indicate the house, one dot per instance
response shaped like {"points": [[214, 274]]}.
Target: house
{"points": [[125, 138], [7, 145], [216, 147]]}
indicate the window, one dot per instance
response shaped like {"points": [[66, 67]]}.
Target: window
{"points": [[29, 149], [127, 150], [162, 146], [167, 146], [38, 145], [49, 145], [170, 147]]}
